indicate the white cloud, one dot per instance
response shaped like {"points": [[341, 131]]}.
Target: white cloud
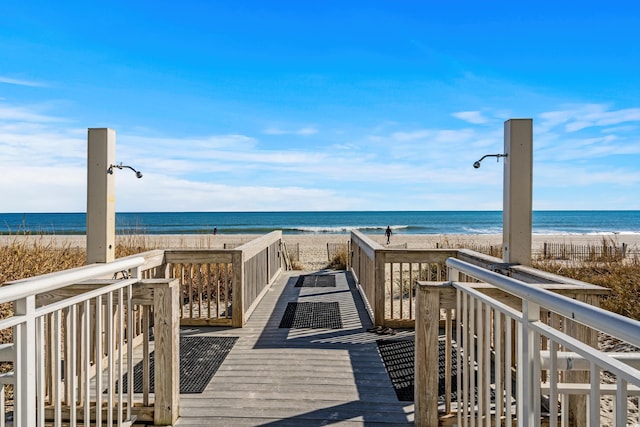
{"points": [[27, 188], [473, 117], [584, 116], [27, 114], [163, 193], [411, 136], [20, 82], [400, 166], [305, 131]]}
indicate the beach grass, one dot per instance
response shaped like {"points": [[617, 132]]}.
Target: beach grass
{"points": [[23, 258], [622, 277]]}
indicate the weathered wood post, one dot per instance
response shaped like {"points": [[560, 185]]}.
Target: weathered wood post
{"points": [[379, 290], [517, 191], [25, 362], [426, 353], [237, 290], [101, 196], [166, 308]]}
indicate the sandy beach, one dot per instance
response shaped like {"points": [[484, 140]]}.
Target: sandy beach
{"points": [[313, 247]]}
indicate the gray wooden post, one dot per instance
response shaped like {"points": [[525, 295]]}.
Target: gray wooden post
{"points": [[166, 309], [517, 201], [101, 195], [426, 353]]}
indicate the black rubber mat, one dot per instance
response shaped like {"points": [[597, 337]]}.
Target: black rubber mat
{"points": [[398, 358], [200, 358], [320, 315], [316, 281]]}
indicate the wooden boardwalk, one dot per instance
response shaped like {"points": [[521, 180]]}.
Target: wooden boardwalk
{"points": [[299, 377]]}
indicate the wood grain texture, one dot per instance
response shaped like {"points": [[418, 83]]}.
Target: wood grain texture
{"points": [[279, 376]]}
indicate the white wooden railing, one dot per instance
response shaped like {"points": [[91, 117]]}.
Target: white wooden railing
{"points": [[519, 345], [55, 369], [77, 333]]}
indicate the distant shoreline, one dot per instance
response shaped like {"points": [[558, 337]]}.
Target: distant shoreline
{"points": [[327, 223]]}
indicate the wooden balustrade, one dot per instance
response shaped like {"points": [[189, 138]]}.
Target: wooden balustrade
{"points": [[76, 330], [387, 279], [493, 347]]}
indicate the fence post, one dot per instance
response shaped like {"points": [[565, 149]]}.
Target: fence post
{"points": [[25, 362], [166, 308], [528, 370], [379, 288], [426, 353], [237, 290]]}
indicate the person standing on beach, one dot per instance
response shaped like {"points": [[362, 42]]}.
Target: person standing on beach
{"points": [[388, 234]]}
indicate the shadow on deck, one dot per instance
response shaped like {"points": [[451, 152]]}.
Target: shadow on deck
{"points": [[300, 376]]}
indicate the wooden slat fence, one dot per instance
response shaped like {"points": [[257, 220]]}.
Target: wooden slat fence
{"points": [[568, 251], [220, 287], [333, 249]]}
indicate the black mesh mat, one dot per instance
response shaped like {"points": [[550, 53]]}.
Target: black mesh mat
{"points": [[316, 281], [312, 315], [398, 359], [200, 358]]}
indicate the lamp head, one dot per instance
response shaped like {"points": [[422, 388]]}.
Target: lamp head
{"points": [[476, 164], [139, 174]]}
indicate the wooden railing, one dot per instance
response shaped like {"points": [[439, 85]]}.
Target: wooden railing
{"points": [[77, 333], [387, 277], [221, 287], [403, 288], [510, 336]]}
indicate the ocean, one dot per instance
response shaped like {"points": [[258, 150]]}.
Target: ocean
{"points": [[405, 222]]}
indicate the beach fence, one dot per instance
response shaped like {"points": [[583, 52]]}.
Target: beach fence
{"points": [[571, 252], [333, 249], [293, 250], [491, 250]]}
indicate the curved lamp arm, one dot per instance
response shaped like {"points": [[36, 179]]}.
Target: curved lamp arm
{"points": [[121, 166], [477, 163]]}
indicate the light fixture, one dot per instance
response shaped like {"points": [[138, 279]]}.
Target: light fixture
{"points": [[477, 164], [121, 166]]}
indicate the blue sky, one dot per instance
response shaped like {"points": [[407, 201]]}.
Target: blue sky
{"points": [[318, 105]]}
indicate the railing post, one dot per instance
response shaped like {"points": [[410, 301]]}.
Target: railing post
{"points": [[237, 291], [379, 288], [426, 353], [25, 360], [166, 308], [528, 378], [577, 405]]}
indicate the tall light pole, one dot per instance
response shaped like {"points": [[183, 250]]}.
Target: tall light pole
{"points": [[517, 190], [101, 195]]}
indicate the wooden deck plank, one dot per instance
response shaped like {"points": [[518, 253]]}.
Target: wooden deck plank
{"points": [[295, 377]]}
